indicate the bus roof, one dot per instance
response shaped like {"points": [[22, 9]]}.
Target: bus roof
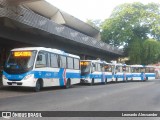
{"points": [[46, 49], [150, 66], [137, 66], [94, 61]]}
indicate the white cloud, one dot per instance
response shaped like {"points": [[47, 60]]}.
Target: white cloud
{"points": [[92, 9]]}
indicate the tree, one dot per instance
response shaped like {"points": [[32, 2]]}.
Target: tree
{"points": [[135, 52], [151, 51], [129, 21], [130, 25]]}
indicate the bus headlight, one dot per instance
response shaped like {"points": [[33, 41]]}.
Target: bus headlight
{"points": [[28, 76], [4, 77]]}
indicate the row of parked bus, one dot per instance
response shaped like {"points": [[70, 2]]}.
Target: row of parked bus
{"points": [[94, 71], [40, 67]]}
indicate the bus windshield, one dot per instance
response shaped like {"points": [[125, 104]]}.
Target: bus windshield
{"points": [[20, 62], [85, 67]]}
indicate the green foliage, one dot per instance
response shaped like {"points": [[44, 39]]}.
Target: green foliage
{"points": [[135, 52], [151, 51], [131, 25], [129, 21]]}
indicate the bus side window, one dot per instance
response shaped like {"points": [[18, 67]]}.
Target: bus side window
{"points": [[63, 61], [54, 60], [124, 68], [102, 67], [69, 63], [117, 69], [76, 64], [42, 59], [107, 68], [93, 67], [39, 58], [99, 67]]}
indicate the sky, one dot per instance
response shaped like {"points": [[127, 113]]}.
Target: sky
{"points": [[92, 9]]}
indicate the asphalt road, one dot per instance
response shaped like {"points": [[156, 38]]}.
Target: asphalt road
{"points": [[130, 96]]}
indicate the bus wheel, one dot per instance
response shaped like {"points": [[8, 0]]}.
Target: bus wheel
{"points": [[38, 86], [92, 82], [68, 84]]}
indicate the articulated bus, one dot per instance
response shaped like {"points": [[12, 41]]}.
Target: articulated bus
{"points": [[92, 71], [138, 72], [150, 72], [40, 67]]}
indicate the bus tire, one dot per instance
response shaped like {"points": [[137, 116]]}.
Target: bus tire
{"points": [[38, 86], [68, 84]]}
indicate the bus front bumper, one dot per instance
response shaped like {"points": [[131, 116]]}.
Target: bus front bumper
{"points": [[30, 82]]}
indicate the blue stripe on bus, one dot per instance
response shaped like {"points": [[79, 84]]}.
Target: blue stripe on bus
{"points": [[118, 76], [102, 77], [42, 74], [96, 76], [136, 75], [61, 78], [109, 76], [141, 75], [129, 76], [150, 75], [16, 77]]}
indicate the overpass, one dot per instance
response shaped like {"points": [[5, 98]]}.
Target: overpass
{"points": [[22, 23]]}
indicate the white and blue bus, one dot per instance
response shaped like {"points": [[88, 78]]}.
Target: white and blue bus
{"points": [[127, 72], [118, 72], [40, 67], [121, 72], [109, 71], [138, 72], [92, 71], [150, 72]]}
